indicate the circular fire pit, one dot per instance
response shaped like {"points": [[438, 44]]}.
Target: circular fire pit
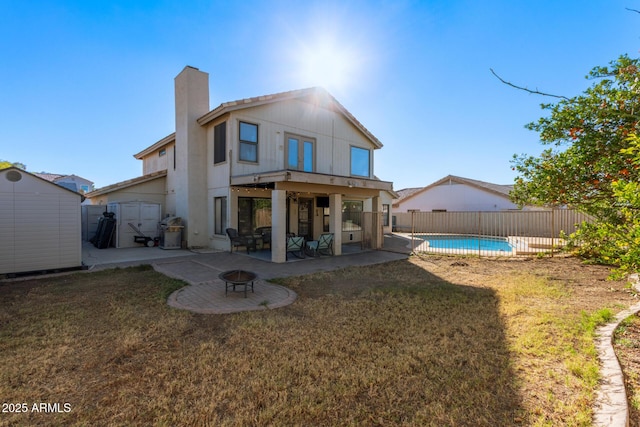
{"points": [[235, 278]]}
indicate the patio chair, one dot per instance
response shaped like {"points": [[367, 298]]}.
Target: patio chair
{"points": [[325, 244], [295, 246], [238, 240]]}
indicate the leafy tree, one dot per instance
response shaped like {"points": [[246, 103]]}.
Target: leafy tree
{"points": [[5, 164], [587, 134], [592, 163], [619, 243]]}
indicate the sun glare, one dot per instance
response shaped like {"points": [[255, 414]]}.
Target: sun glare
{"points": [[329, 57], [328, 64], [331, 46]]}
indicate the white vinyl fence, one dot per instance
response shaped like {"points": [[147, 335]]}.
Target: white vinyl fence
{"points": [[506, 233]]}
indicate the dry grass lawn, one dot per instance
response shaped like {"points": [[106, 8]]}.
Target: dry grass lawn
{"points": [[427, 341]]}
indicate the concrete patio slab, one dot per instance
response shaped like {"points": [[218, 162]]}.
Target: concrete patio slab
{"points": [[206, 292]]}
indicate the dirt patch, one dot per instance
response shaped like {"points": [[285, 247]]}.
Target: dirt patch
{"points": [[627, 347]]}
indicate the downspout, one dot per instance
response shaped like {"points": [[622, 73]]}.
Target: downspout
{"points": [[333, 142]]}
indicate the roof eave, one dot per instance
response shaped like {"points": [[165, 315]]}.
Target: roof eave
{"points": [[311, 178], [229, 107], [459, 180], [126, 184], [164, 141]]}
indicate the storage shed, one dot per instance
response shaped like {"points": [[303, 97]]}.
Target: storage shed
{"points": [[142, 215], [40, 226]]}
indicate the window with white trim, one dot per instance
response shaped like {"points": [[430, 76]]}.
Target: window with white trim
{"points": [[220, 215], [248, 151], [219, 143], [360, 161], [300, 153]]}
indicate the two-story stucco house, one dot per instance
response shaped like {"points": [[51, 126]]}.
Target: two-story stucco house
{"points": [[297, 162]]}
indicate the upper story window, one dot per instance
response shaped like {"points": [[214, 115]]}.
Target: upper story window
{"points": [[248, 142], [220, 143], [360, 161], [162, 152], [300, 153]]}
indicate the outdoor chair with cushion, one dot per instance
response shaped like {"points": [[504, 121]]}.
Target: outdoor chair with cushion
{"points": [[295, 246], [238, 240], [325, 244]]}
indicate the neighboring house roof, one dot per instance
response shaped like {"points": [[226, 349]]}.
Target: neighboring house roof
{"points": [[498, 189], [72, 176], [317, 94], [60, 180], [125, 184], [404, 193], [47, 176]]}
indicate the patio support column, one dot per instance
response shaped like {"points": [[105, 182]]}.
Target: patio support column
{"points": [[278, 226], [376, 232], [335, 221]]}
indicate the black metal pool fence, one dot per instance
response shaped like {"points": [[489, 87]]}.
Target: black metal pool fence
{"points": [[526, 231]]}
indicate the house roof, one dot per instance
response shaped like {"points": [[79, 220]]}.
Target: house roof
{"points": [[315, 95], [125, 184], [498, 189], [164, 141]]}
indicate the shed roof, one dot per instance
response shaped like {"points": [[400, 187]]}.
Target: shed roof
{"points": [[22, 171]]}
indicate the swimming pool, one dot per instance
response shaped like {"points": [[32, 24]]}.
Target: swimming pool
{"points": [[467, 243]]}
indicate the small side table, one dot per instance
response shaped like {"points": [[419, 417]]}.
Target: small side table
{"points": [[258, 244], [311, 248]]}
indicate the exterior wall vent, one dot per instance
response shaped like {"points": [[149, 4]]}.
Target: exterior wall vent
{"points": [[14, 176]]}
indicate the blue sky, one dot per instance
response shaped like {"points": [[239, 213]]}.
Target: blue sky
{"points": [[86, 84]]}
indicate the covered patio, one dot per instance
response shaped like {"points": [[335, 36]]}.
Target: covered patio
{"points": [[293, 203], [264, 254]]}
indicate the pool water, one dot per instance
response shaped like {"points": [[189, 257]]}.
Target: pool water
{"points": [[468, 243]]}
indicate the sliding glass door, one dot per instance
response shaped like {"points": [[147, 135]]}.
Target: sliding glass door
{"points": [[253, 212]]}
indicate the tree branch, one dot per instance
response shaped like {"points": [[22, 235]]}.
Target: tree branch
{"points": [[535, 92]]}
